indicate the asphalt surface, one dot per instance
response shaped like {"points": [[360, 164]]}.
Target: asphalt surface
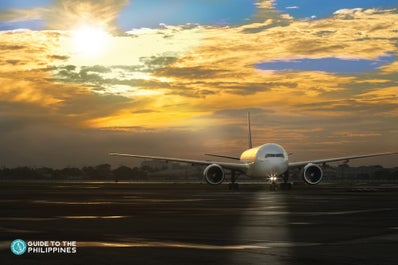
{"points": [[197, 224]]}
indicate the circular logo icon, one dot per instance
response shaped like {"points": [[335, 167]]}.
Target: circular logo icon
{"points": [[18, 247]]}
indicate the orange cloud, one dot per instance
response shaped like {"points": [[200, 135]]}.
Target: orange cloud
{"points": [[220, 72], [68, 14], [177, 78]]}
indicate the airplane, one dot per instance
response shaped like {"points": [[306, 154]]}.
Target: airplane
{"points": [[268, 161]]}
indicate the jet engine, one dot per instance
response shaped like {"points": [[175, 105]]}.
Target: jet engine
{"points": [[214, 174], [312, 174]]}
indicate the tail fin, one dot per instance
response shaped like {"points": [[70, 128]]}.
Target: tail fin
{"points": [[250, 130]]}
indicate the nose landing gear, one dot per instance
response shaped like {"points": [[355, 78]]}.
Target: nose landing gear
{"points": [[273, 185]]}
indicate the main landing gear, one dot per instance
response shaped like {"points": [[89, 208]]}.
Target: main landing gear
{"points": [[285, 185], [233, 185]]}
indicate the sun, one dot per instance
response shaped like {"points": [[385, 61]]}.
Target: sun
{"points": [[90, 40]]}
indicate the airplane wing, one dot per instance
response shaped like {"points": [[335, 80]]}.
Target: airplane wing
{"points": [[235, 166], [224, 156], [346, 158]]}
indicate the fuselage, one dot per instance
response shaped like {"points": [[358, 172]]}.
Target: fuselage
{"points": [[268, 160]]}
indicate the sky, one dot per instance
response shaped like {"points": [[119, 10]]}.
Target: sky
{"points": [[80, 79]]}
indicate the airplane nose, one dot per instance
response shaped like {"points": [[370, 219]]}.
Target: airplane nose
{"points": [[279, 168], [274, 166]]}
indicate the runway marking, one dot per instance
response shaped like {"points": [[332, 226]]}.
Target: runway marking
{"points": [[132, 201], [72, 203], [166, 200], [173, 244], [159, 244], [83, 187], [93, 217]]}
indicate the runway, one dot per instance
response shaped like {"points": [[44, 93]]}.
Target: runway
{"points": [[127, 223]]}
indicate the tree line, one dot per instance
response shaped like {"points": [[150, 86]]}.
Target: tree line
{"points": [[102, 171]]}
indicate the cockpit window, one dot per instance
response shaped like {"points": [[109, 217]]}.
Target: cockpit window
{"points": [[274, 155]]}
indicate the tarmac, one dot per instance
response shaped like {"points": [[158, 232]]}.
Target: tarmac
{"points": [[131, 223]]}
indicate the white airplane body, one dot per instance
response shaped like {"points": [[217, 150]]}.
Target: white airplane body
{"points": [[267, 161]]}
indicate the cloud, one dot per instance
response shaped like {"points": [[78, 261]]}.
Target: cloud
{"points": [[17, 15], [11, 47], [173, 84], [265, 4], [24, 67], [70, 14], [347, 13], [27, 79]]}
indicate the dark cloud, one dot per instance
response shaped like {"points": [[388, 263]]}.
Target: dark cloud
{"points": [[364, 82], [314, 47], [95, 68], [20, 115], [71, 73], [4, 47], [195, 72], [83, 107], [156, 62], [325, 33], [351, 106], [247, 88], [14, 62], [144, 111], [190, 92], [94, 77], [58, 57], [266, 18], [241, 112]]}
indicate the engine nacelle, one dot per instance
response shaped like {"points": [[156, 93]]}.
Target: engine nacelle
{"points": [[312, 174], [214, 174]]}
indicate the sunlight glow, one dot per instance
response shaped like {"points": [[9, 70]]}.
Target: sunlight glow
{"points": [[90, 41]]}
